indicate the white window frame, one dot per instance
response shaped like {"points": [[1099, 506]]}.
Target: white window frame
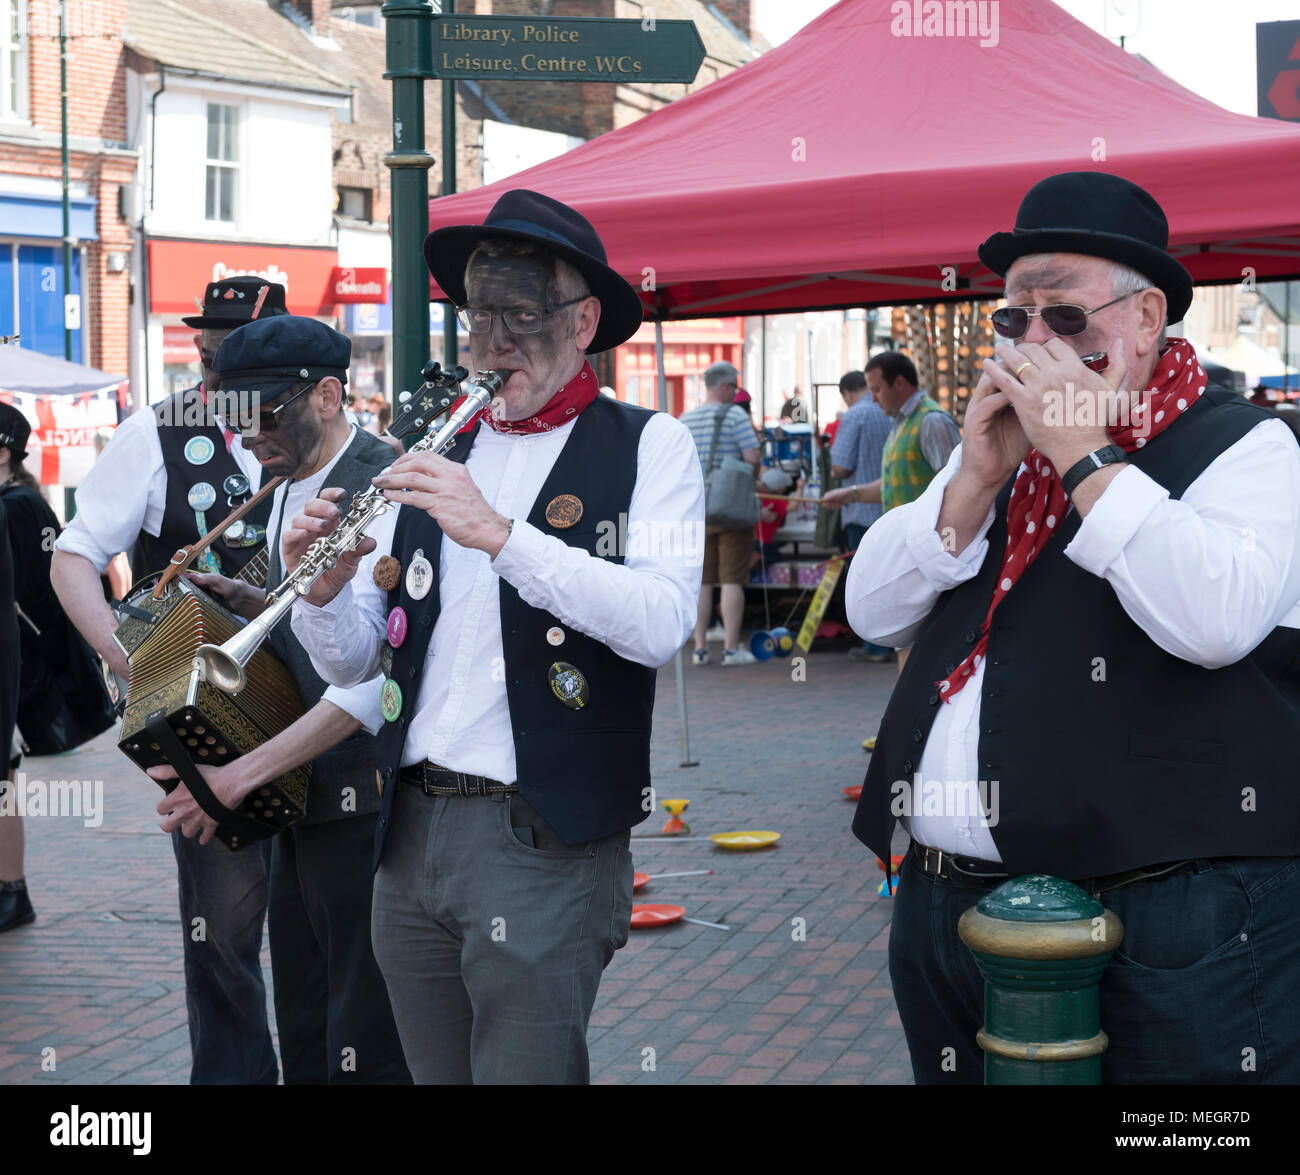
{"points": [[232, 165], [15, 60]]}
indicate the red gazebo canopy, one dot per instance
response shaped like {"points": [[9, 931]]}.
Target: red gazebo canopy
{"points": [[852, 166]]}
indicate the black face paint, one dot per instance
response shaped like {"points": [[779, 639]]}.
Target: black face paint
{"points": [[542, 362], [293, 445]]}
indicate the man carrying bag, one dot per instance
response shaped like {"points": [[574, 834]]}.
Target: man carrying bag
{"points": [[728, 450]]}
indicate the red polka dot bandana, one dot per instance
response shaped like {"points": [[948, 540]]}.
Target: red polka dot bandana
{"points": [[1038, 501], [561, 408]]}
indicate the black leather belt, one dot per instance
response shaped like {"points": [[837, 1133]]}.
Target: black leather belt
{"points": [[439, 781], [972, 871]]}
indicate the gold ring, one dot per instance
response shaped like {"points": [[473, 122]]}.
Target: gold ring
{"points": [[1026, 363]]}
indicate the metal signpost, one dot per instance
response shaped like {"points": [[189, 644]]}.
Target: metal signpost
{"points": [[424, 45]]}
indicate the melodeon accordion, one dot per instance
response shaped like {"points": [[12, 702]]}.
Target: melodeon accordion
{"points": [[174, 716]]}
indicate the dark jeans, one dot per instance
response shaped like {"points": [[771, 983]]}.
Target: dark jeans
{"points": [[1202, 990], [853, 536], [331, 1003], [224, 992]]}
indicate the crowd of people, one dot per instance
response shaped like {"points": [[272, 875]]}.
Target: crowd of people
{"points": [[1097, 626]]}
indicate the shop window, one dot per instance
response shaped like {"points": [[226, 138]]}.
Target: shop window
{"points": [[222, 162], [13, 61], [354, 202]]}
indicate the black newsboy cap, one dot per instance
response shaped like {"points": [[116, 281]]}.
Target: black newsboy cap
{"points": [[271, 355]]}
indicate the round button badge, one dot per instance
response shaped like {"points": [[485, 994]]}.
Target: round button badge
{"points": [[419, 576], [555, 636], [202, 496], [397, 627], [199, 450], [390, 700]]}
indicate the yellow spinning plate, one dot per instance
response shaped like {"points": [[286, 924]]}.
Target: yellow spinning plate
{"points": [[748, 839]]}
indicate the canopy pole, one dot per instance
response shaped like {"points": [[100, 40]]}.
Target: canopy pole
{"points": [[662, 399]]}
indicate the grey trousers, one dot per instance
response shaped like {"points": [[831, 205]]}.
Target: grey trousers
{"points": [[492, 935]]}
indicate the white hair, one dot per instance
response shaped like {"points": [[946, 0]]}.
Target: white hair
{"points": [[1126, 280], [720, 372]]}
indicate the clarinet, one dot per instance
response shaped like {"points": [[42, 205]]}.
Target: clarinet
{"points": [[223, 665]]}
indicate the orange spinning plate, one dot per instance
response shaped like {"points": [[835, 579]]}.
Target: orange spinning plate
{"points": [[854, 792], [644, 917], [638, 880]]}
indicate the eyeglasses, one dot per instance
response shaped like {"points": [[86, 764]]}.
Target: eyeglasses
{"points": [[1063, 318], [266, 421], [517, 322]]}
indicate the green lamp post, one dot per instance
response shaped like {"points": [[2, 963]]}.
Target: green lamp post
{"points": [[1042, 945], [409, 37]]}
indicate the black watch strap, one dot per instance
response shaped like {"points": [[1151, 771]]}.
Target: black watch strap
{"points": [[1097, 459]]}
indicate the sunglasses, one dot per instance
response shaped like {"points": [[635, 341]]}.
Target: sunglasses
{"points": [[266, 421], [1063, 318]]}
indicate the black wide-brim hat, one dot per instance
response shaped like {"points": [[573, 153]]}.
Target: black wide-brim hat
{"points": [[522, 215], [230, 303], [1100, 215]]}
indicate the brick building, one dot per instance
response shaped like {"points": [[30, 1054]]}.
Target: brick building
{"points": [[101, 168]]}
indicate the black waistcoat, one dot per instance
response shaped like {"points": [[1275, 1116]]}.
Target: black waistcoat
{"points": [[351, 763], [1109, 753], [584, 770], [181, 417]]}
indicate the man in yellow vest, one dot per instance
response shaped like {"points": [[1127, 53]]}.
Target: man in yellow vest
{"points": [[919, 445]]}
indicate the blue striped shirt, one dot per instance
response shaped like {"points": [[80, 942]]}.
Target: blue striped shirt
{"points": [[737, 432], [858, 446]]}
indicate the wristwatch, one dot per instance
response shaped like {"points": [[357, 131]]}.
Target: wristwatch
{"points": [[1097, 459]]}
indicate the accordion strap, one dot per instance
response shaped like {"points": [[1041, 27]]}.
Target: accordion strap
{"points": [[177, 756], [186, 555]]}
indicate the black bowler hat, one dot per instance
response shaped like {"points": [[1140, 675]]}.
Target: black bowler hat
{"points": [[1100, 215], [271, 355], [14, 430], [522, 215], [230, 302]]}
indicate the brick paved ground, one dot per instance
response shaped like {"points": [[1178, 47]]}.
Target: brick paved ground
{"points": [[98, 976]]}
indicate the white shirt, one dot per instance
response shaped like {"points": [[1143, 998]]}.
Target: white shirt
{"points": [[642, 609], [125, 491], [1206, 577], [362, 700]]}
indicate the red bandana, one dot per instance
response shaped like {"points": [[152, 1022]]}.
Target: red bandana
{"points": [[1038, 501], [561, 408]]}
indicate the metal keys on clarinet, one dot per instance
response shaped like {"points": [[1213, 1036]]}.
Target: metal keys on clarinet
{"points": [[223, 665]]}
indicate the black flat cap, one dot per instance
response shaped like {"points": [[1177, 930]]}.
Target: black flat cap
{"points": [[231, 302], [272, 355]]}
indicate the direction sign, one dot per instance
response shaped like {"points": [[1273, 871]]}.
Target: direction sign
{"points": [[565, 49], [1277, 69]]}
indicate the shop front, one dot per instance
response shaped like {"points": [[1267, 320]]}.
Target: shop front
{"points": [[180, 270]]}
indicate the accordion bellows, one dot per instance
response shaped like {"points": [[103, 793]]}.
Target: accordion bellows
{"points": [[212, 726]]}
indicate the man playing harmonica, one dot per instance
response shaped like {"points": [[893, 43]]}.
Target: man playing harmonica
{"points": [[519, 653], [1105, 605]]}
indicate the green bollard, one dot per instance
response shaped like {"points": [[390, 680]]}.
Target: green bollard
{"points": [[1041, 944]]}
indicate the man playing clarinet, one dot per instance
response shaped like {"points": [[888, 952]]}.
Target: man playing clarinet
{"points": [[519, 650]]}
